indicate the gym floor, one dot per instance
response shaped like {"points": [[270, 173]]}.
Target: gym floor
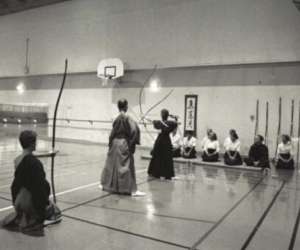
{"points": [[207, 208]]}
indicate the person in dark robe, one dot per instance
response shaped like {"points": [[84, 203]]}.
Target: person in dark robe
{"points": [[161, 164], [258, 154], [232, 147], [30, 191], [284, 159], [118, 175], [211, 148]]}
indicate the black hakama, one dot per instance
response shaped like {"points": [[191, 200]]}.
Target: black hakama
{"points": [[228, 160], [161, 164], [189, 153], [283, 164], [211, 157]]}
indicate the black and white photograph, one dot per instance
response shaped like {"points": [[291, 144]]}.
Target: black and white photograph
{"points": [[149, 124]]}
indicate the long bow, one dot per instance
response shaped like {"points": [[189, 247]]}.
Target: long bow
{"points": [[54, 130], [144, 115]]}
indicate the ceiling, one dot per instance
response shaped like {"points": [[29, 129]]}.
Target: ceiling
{"points": [[12, 6]]}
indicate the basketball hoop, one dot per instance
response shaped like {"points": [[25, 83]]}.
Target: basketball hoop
{"points": [[110, 69]]}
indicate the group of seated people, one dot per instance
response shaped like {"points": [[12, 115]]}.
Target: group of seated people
{"points": [[258, 155]]}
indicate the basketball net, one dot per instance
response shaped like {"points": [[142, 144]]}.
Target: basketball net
{"points": [[106, 80]]}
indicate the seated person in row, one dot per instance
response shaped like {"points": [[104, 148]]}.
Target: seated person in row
{"points": [[189, 146], [205, 139], [30, 191], [176, 143], [258, 154], [284, 158], [211, 148], [232, 147]]}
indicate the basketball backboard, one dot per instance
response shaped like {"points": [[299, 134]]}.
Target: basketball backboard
{"points": [[110, 68]]}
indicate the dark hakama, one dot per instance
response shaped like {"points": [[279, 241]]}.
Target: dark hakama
{"points": [[161, 164], [285, 164], [258, 153], [176, 152], [118, 175], [30, 195], [210, 158], [230, 160], [189, 153]]}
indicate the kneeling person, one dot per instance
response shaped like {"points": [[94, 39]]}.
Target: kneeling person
{"points": [[232, 147], [258, 154], [211, 148], [284, 154], [30, 191], [189, 146]]}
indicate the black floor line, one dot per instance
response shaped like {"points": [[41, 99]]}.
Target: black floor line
{"points": [[225, 216], [4, 198], [295, 230], [262, 218], [144, 213], [98, 198], [127, 232]]}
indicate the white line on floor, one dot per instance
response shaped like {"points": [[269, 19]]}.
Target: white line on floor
{"points": [[70, 190]]}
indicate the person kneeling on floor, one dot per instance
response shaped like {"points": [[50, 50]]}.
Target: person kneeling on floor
{"points": [[258, 154], [189, 146], [284, 159], [30, 192], [211, 148], [232, 147]]}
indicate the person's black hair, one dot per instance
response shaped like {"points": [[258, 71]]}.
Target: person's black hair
{"points": [[213, 136], [286, 137], [27, 138], [261, 138], [234, 134], [164, 114], [123, 105]]}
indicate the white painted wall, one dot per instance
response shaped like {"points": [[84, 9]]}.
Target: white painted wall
{"points": [[220, 108], [142, 33]]}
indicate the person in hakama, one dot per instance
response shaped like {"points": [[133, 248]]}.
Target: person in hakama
{"points": [[118, 175], [258, 154], [30, 191], [176, 141], [211, 148], [161, 164], [205, 139], [284, 159], [232, 147], [189, 146]]}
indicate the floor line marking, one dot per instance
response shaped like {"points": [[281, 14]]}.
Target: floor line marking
{"points": [[203, 237], [70, 190], [126, 232], [262, 218], [144, 213], [98, 198], [295, 231], [4, 198]]}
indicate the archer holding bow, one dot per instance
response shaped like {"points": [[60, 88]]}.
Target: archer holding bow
{"points": [[161, 164]]}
